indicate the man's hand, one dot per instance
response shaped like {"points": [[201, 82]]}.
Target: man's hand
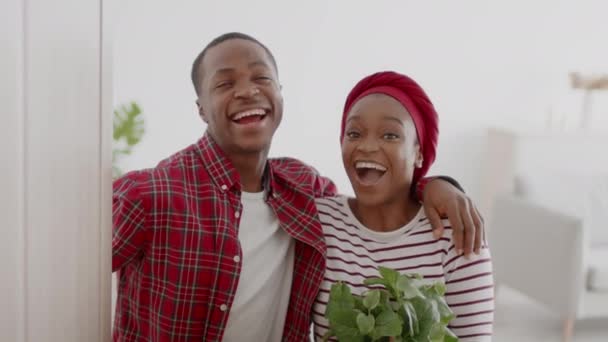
{"points": [[440, 200]]}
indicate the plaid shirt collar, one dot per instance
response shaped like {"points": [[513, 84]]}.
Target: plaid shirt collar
{"points": [[226, 177], [220, 168], [223, 173]]}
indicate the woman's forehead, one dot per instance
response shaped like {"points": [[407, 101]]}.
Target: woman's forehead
{"points": [[379, 106]]}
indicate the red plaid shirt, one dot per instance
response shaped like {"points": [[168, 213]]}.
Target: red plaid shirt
{"points": [[175, 244]]}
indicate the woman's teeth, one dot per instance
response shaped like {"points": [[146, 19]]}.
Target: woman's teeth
{"points": [[369, 165], [369, 173]]}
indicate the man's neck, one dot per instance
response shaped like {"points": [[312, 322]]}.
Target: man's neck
{"points": [[251, 169], [386, 217]]}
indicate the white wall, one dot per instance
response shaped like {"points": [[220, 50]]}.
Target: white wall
{"points": [[12, 283], [483, 63], [55, 171]]}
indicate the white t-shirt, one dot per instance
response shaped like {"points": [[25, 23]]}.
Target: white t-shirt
{"points": [[262, 296], [354, 253]]}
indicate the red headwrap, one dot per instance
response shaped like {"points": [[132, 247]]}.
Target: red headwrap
{"points": [[405, 90]]}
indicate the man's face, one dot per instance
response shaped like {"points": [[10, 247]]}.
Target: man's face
{"points": [[240, 97]]}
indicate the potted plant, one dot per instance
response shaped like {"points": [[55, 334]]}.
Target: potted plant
{"points": [[128, 125], [399, 308]]}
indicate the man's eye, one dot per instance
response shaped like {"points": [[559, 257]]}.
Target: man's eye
{"points": [[224, 84], [263, 78]]}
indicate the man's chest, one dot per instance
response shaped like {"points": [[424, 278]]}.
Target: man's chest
{"points": [[192, 227]]}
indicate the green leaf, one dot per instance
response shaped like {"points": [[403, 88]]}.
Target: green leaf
{"points": [[340, 298], [371, 299], [427, 313], [365, 323], [349, 334], [406, 286], [436, 293], [383, 305], [376, 281], [359, 304], [437, 333], [395, 306], [412, 325], [343, 317], [439, 288], [344, 324], [341, 313], [449, 335], [128, 129], [390, 275], [388, 323], [127, 124], [445, 313], [385, 299]]}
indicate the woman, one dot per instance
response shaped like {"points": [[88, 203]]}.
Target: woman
{"points": [[389, 137]]}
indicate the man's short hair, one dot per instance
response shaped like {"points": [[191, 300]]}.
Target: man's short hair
{"points": [[196, 66]]}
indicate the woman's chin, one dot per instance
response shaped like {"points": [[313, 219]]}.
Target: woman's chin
{"points": [[370, 198]]}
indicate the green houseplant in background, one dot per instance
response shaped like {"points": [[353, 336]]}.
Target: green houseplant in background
{"points": [[401, 310], [128, 127]]}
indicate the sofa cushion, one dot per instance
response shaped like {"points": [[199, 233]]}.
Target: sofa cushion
{"points": [[597, 277], [584, 196], [598, 211]]}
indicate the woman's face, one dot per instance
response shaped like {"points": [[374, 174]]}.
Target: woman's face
{"points": [[380, 149]]}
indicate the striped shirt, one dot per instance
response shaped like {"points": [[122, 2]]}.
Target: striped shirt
{"points": [[354, 253]]}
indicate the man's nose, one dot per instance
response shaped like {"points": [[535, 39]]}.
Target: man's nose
{"points": [[246, 91]]}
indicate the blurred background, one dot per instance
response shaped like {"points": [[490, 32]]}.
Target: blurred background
{"points": [[484, 64]]}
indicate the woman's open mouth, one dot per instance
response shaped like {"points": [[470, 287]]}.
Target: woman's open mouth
{"points": [[369, 173]]}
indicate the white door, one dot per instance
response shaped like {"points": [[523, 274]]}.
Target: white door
{"points": [[55, 170]]}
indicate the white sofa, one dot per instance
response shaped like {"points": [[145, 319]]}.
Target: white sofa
{"points": [[547, 196]]}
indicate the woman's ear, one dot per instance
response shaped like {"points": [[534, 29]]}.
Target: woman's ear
{"points": [[419, 158]]}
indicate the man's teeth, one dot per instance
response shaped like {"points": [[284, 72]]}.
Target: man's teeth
{"points": [[369, 165], [247, 113]]}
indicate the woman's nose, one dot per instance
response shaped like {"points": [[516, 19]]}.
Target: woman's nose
{"points": [[368, 144]]}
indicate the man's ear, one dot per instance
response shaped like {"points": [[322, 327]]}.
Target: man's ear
{"points": [[201, 112]]}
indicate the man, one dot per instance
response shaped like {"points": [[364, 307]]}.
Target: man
{"points": [[220, 242]]}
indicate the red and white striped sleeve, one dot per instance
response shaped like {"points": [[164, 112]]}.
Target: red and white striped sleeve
{"points": [[470, 294]]}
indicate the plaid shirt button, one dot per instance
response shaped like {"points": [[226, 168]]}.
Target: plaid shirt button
{"points": [[223, 307], [236, 258], [224, 187], [237, 214]]}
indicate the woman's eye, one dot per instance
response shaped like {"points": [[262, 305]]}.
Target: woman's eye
{"points": [[390, 136], [352, 134]]}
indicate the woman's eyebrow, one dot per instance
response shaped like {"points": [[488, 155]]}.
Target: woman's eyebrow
{"points": [[393, 118]]}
